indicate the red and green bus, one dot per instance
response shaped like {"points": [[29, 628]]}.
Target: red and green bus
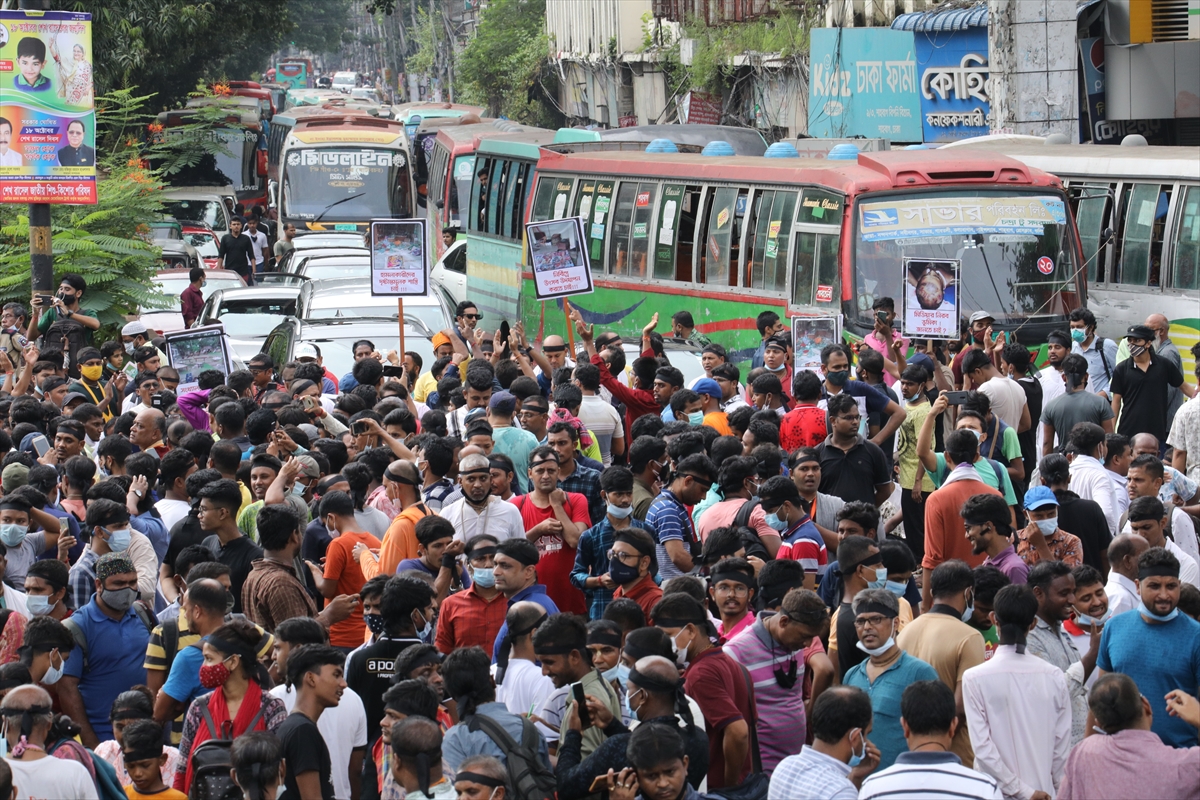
{"points": [[726, 237]]}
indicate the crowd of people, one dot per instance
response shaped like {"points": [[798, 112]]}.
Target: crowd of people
{"points": [[526, 572]]}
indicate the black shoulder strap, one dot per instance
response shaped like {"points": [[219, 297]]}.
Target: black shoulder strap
{"points": [[495, 732], [170, 641], [1103, 358], [742, 518], [755, 755]]}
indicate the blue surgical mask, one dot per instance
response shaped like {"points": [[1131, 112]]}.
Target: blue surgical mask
{"points": [[973, 432], [618, 512], [969, 613], [1047, 526], [856, 758], [896, 588], [38, 604], [1085, 622], [780, 368], [628, 708], [13, 534], [914, 398], [1078, 335], [880, 579], [1146, 612], [695, 418], [484, 577], [298, 488], [619, 673], [118, 541], [426, 634], [775, 522]]}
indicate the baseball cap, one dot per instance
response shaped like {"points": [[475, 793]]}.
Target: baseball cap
{"points": [[922, 360], [503, 403], [134, 328], [1039, 496], [709, 387], [310, 468], [14, 477], [304, 350], [980, 316], [777, 343], [1141, 332], [73, 396]]}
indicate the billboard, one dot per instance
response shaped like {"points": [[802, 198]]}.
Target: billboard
{"points": [[47, 122], [864, 83], [955, 83]]}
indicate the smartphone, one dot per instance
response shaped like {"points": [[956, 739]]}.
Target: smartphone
{"points": [[600, 784], [956, 398], [44, 299], [309, 403], [585, 719], [41, 445], [392, 371], [358, 427], [881, 316]]}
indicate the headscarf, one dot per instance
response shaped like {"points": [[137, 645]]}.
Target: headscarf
{"points": [[563, 415]]}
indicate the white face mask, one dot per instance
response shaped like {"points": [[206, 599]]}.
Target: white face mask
{"points": [[53, 673]]}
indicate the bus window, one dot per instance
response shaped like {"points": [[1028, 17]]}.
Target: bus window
{"points": [[551, 199], [1092, 216], [735, 239], [514, 200], [1187, 242], [495, 187], [437, 178], [619, 227], [479, 196], [464, 169], [821, 208], [639, 244], [595, 223], [666, 236], [1145, 217], [815, 272], [714, 260], [772, 230], [400, 199]]}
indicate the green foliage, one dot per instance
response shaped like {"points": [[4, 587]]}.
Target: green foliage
{"points": [[428, 35], [502, 66]]}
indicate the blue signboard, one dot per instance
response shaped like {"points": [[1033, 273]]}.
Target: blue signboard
{"points": [[864, 83], [955, 101]]}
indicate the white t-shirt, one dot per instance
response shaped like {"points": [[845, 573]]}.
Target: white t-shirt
{"points": [[524, 686], [343, 727], [172, 511], [1184, 546], [51, 778], [603, 420], [499, 518], [259, 243], [1007, 399], [373, 521]]}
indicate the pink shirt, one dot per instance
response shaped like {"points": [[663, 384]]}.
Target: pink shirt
{"points": [[1129, 763], [722, 514], [738, 627], [876, 344]]}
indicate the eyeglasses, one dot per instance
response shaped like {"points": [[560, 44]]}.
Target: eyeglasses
{"points": [[531, 412], [472, 316], [624, 558], [873, 621], [857, 418], [256, 370], [737, 590]]}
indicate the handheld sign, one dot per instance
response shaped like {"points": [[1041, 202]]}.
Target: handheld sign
{"points": [[809, 336], [557, 257], [399, 258], [931, 298], [196, 350]]}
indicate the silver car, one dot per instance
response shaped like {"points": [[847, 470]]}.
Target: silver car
{"points": [[347, 298], [248, 314]]}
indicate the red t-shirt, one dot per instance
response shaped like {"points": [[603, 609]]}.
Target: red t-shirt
{"points": [[556, 558], [340, 565], [803, 426], [718, 685]]}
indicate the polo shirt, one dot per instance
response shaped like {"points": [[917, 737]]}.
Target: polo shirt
{"points": [[719, 686], [1011, 564], [670, 521], [930, 775], [369, 673], [534, 593], [1144, 395], [854, 474], [115, 653], [811, 775], [885, 692], [238, 555]]}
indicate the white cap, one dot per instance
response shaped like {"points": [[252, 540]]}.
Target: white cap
{"points": [[304, 350], [134, 328]]}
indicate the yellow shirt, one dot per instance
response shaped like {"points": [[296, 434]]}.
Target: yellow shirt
{"points": [[166, 794]]}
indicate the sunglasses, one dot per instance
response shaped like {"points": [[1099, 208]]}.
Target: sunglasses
{"points": [[472, 316]]}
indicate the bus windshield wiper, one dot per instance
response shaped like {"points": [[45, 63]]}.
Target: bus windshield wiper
{"points": [[325, 210]]}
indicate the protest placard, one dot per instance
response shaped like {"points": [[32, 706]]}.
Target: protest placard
{"points": [[399, 258], [555, 254]]}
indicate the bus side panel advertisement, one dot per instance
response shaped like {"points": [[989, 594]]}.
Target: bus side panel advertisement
{"points": [[560, 264], [809, 335], [47, 122], [930, 298], [195, 350], [400, 258]]}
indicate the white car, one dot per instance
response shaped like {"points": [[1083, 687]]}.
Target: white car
{"points": [[202, 205], [345, 81], [450, 272], [348, 298], [248, 313]]}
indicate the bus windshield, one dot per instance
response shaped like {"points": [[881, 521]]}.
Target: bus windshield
{"points": [[204, 212], [1004, 252], [345, 184], [237, 166]]}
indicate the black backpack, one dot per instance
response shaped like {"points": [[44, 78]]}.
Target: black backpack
{"points": [[211, 763], [530, 778], [75, 334], [750, 538]]}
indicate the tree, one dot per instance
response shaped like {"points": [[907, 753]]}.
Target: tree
{"points": [[501, 67]]}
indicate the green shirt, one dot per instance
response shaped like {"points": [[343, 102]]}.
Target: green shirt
{"points": [[50, 316], [987, 474]]}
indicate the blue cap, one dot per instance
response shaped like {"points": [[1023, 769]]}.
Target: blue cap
{"points": [[503, 402], [1039, 496], [709, 387], [922, 360]]}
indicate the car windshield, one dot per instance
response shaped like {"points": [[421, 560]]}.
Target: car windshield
{"points": [[345, 183], [253, 317], [336, 268], [173, 288], [205, 212], [205, 243], [313, 240], [1005, 252], [430, 314]]}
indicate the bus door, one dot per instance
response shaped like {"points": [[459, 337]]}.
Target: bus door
{"points": [[1092, 204], [1185, 255], [815, 276]]}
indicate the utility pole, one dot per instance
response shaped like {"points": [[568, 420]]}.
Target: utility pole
{"points": [[41, 251]]}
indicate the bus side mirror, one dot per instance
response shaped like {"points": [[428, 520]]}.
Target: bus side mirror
{"points": [[1106, 236], [440, 203], [272, 193]]}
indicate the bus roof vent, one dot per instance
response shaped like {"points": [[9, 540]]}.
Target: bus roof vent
{"points": [[782, 150], [843, 152], [963, 175], [662, 146], [917, 147], [1057, 138], [718, 148], [1134, 140]]}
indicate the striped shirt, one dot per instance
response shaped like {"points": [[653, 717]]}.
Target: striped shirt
{"points": [[782, 726], [811, 776], [929, 775], [669, 520]]}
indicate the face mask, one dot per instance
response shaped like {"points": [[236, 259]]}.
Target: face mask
{"points": [[1085, 622], [621, 573], [618, 673], [13, 534], [298, 489], [1158, 617], [780, 368], [878, 651], [129, 348], [896, 588], [681, 659], [775, 522], [973, 432], [1136, 350], [375, 623], [914, 398], [1047, 526], [213, 675], [485, 577], [628, 707], [118, 600], [838, 378], [92, 373], [53, 673], [696, 418], [204, 283], [619, 513], [1078, 335], [880, 579], [970, 611], [39, 605], [426, 633], [118, 540], [856, 758]]}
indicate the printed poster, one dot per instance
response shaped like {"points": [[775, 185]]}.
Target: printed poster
{"points": [[47, 122], [399, 258], [930, 298], [196, 350], [809, 335], [555, 253]]}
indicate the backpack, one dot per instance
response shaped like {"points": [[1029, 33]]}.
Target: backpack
{"points": [[104, 774], [76, 335], [530, 778], [77, 633], [1103, 359], [211, 763], [749, 537]]}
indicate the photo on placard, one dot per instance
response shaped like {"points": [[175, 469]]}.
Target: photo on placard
{"points": [[930, 298], [195, 350], [399, 258], [809, 336], [557, 257]]}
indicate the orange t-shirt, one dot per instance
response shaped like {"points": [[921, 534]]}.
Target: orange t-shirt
{"points": [[719, 422], [341, 566]]}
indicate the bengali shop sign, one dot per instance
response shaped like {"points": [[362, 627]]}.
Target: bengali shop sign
{"points": [[47, 122], [864, 83], [399, 258], [955, 84], [959, 216]]}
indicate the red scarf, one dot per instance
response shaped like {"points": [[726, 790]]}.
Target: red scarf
{"points": [[219, 709]]}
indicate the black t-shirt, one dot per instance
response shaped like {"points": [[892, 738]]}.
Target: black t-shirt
{"points": [[185, 533], [1085, 519], [1028, 439], [236, 555], [370, 672], [316, 541], [237, 252], [847, 640], [877, 419], [303, 749], [1144, 395], [854, 475]]}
